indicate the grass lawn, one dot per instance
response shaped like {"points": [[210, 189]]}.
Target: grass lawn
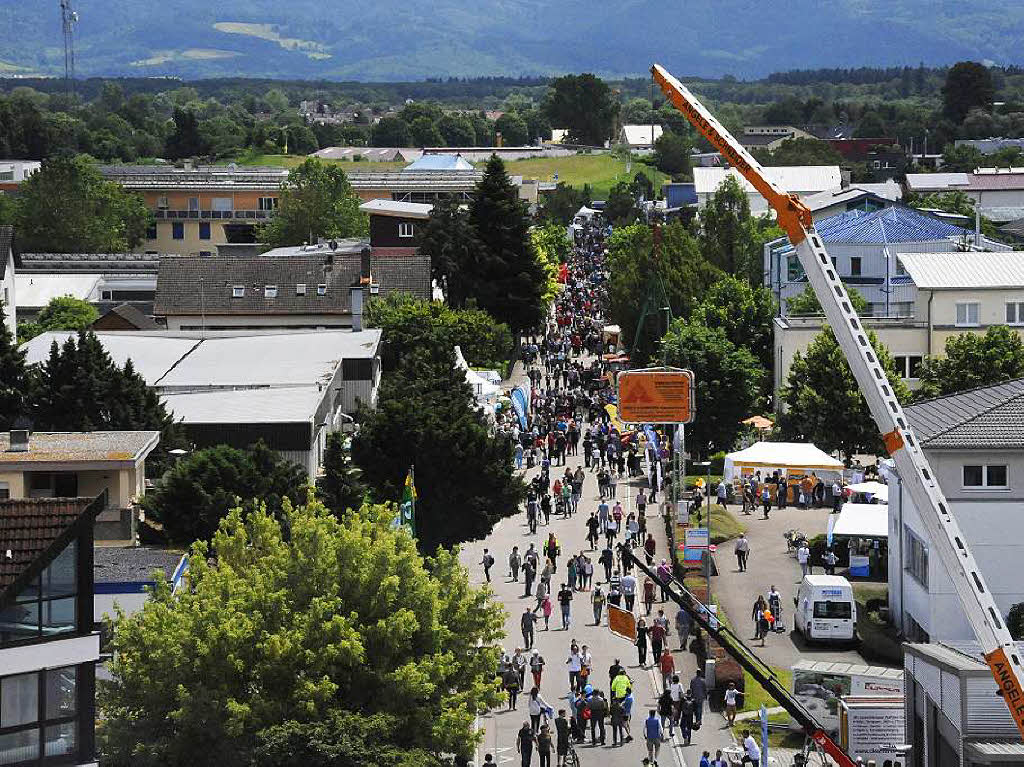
{"points": [[862, 592], [777, 737], [724, 525], [601, 171], [754, 694]]}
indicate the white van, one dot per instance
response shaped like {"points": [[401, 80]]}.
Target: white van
{"points": [[825, 609]]}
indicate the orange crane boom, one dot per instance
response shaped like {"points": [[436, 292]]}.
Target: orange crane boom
{"points": [[948, 541]]}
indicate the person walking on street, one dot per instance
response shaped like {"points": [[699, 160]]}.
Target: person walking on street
{"points": [[574, 663], [742, 551], [598, 712], [831, 560], [536, 667], [664, 573], [514, 561], [564, 601], [527, 623], [562, 736], [731, 697], [641, 642], [544, 746], [653, 734], [607, 559], [666, 709], [510, 681], [628, 586], [618, 735], [683, 627], [668, 669], [524, 744], [698, 694], [487, 562], [751, 751], [597, 598], [650, 547], [723, 494], [529, 575], [648, 596], [803, 556], [536, 706], [686, 717], [658, 633], [593, 528], [546, 609]]}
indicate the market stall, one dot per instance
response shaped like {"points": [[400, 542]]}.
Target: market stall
{"points": [[869, 492], [789, 462], [864, 527]]}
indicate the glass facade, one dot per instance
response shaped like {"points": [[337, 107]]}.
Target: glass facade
{"points": [[47, 606], [38, 716]]}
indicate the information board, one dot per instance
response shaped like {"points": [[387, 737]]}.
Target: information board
{"points": [[656, 396]]}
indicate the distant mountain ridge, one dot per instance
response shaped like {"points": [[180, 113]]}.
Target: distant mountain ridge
{"points": [[391, 40]]}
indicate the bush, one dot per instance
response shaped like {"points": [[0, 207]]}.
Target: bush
{"points": [[1015, 621]]}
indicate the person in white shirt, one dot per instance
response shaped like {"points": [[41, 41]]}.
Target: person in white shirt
{"points": [[731, 697], [628, 587], [752, 752], [574, 663], [803, 556]]}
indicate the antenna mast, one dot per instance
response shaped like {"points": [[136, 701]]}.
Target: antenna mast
{"points": [[69, 17]]}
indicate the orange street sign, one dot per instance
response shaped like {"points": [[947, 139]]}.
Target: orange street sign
{"points": [[656, 396], [622, 623]]}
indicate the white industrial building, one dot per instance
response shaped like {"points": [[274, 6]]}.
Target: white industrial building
{"points": [[801, 180]]}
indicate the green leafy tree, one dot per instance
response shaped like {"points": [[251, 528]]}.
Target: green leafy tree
{"points": [[14, 380], [1015, 621], [67, 313], [186, 139], [341, 487], [316, 201], [806, 304], [391, 132], [426, 417], [424, 132], [621, 208], [553, 248], [508, 278], [672, 154], [968, 85], [513, 129], [823, 403], [451, 241], [457, 130], [744, 313], [411, 323], [800, 151], [961, 159], [730, 238], [562, 204], [633, 267], [67, 207], [297, 630], [728, 378], [584, 105], [972, 360], [200, 489]]}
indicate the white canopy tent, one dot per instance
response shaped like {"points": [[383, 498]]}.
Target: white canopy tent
{"points": [[863, 520], [485, 391], [873, 489], [790, 457]]}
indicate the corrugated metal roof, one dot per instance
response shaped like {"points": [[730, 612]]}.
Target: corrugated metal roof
{"points": [[965, 269], [995, 751], [888, 225], [935, 181], [289, 404], [397, 208], [152, 354], [438, 162], [987, 417], [831, 197], [790, 178]]}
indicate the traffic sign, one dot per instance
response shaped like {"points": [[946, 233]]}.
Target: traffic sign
{"points": [[656, 396], [622, 623]]}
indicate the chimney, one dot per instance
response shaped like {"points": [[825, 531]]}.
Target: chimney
{"points": [[364, 265], [356, 294], [19, 441]]}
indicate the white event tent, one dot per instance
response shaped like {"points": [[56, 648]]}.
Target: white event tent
{"points": [[789, 457]]}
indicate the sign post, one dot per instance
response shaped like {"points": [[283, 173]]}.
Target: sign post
{"points": [[656, 395], [622, 623]]}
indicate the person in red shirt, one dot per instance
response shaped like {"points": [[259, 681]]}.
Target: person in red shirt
{"points": [[668, 668]]}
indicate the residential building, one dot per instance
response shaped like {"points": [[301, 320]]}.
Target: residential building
{"points": [[123, 577], [640, 138], [867, 243], [998, 193], [394, 224], [290, 389], [125, 317], [8, 279], [801, 180], [959, 292], [769, 137], [866, 197], [955, 715], [104, 291], [282, 290], [48, 648], [974, 442], [13, 172], [859, 149], [109, 465]]}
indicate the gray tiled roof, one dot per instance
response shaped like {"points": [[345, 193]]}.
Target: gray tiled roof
{"points": [[987, 417], [88, 262], [114, 564], [178, 282]]}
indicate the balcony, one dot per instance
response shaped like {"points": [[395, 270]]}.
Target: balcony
{"points": [[167, 214]]}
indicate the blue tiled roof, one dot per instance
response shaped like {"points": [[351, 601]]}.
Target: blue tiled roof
{"points": [[895, 224]]}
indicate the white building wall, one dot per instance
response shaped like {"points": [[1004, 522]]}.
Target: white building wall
{"points": [[257, 322], [993, 525], [7, 294]]}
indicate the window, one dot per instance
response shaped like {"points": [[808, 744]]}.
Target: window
{"points": [[321, 289], [38, 715], [991, 475], [916, 559], [406, 229], [908, 366], [900, 268], [47, 605], [151, 230], [5, 491], [222, 203], [838, 610], [193, 203], [161, 202], [794, 271], [177, 230], [876, 164], [855, 266], [1015, 313], [204, 230], [238, 291], [270, 291], [357, 370], [967, 314], [268, 203], [300, 289], [6, 175]]}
